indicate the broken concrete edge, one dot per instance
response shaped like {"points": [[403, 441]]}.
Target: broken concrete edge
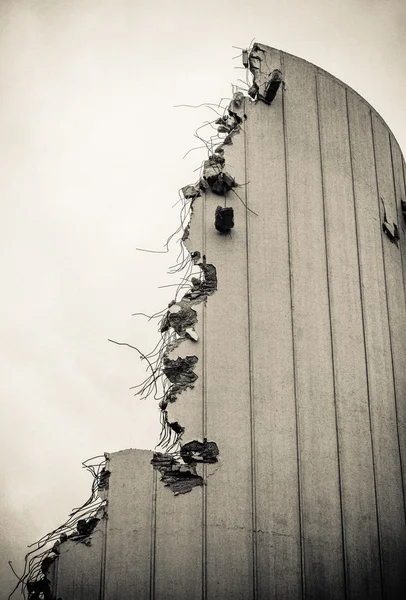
{"points": [[179, 321], [179, 372], [182, 477], [78, 528], [391, 232], [265, 84]]}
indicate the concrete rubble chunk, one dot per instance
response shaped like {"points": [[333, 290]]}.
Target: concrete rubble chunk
{"points": [[391, 231], [403, 206], [224, 219], [180, 317], [273, 86], [180, 371], [266, 83], [191, 334], [176, 427], [195, 451], [390, 228], [190, 192], [180, 478]]}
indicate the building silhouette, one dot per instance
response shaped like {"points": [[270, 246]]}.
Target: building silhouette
{"points": [[281, 471]]}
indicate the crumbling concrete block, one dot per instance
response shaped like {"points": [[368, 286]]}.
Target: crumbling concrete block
{"points": [[195, 451], [180, 371], [190, 192], [224, 219], [180, 478], [403, 206], [180, 316], [265, 84]]}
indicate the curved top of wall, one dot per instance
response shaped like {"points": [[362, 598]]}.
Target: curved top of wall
{"points": [[280, 54]]}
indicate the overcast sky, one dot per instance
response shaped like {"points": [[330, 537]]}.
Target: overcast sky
{"points": [[91, 151]]}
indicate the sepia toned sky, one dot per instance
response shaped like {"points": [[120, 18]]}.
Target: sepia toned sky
{"points": [[91, 149]]}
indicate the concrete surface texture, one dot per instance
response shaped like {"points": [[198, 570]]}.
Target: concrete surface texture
{"points": [[301, 370]]}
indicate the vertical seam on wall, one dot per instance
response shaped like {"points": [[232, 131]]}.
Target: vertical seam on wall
{"points": [[297, 429], [251, 382], [204, 417], [403, 286], [362, 300], [102, 591], [386, 295], [343, 541], [153, 536], [384, 277]]}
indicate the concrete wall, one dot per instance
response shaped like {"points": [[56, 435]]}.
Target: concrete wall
{"points": [[301, 373]]}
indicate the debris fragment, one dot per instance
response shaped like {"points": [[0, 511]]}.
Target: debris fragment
{"points": [[195, 451], [224, 219], [195, 256], [391, 230], [180, 478], [181, 317], [236, 103], [34, 583], [180, 371], [201, 288], [176, 427], [46, 563], [253, 91], [39, 589], [103, 481], [245, 58], [210, 277], [86, 526], [223, 184], [191, 334], [190, 192], [55, 548]]}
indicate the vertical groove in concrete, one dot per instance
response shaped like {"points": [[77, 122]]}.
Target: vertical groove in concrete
{"points": [[361, 294], [153, 535], [250, 375], [294, 364], [204, 417], [340, 499]]}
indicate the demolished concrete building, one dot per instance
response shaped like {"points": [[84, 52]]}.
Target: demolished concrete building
{"points": [[282, 468]]}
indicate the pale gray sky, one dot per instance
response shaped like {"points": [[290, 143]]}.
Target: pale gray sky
{"points": [[91, 153]]}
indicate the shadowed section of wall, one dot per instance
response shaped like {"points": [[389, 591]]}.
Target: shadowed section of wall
{"points": [[300, 364]]}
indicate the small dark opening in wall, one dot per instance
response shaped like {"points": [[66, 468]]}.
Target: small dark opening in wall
{"points": [[273, 86]]}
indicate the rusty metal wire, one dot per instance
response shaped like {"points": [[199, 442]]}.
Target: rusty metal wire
{"points": [[47, 545]]}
